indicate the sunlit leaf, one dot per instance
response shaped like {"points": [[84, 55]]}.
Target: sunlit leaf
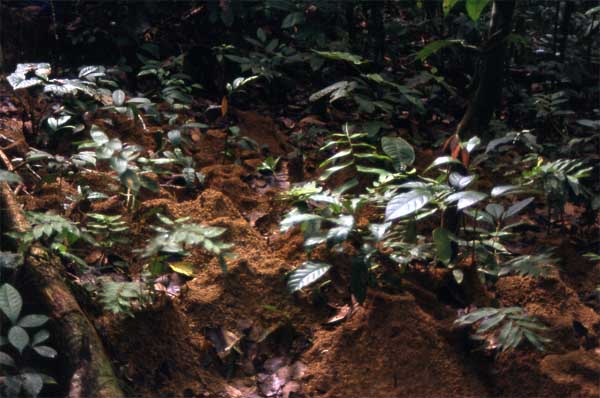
{"points": [[306, 274], [406, 204]]}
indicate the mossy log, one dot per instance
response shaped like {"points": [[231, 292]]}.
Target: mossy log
{"points": [[86, 366]]}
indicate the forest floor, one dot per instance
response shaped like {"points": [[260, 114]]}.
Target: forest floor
{"points": [[242, 334]]}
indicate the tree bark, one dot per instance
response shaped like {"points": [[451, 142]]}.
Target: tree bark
{"points": [[88, 368], [564, 28], [377, 31], [491, 72]]}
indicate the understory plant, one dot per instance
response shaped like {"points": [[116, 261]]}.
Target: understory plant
{"points": [[173, 240], [446, 187], [23, 340]]}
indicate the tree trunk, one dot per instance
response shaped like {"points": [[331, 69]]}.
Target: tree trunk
{"points": [[376, 39], [491, 72], [86, 367], [564, 28]]}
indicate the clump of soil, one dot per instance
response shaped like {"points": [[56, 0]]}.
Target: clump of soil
{"points": [[391, 347], [572, 366]]}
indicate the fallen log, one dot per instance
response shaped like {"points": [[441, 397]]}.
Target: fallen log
{"points": [[87, 367]]}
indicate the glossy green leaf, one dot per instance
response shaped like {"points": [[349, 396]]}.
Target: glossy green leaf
{"points": [[466, 199], [306, 274], [406, 204]]}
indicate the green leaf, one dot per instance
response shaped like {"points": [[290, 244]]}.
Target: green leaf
{"points": [[32, 383], [98, 135], [406, 203], [332, 170], [476, 316], [262, 36], [337, 155], [466, 199], [118, 97], [293, 219], [341, 86], [401, 152], [459, 181], [40, 337], [18, 337], [342, 56], [504, 189], [434, 47], [307, 273], [33, 321], [517, 207], [475, 7], [9, 177], [372, 170], [495, 210], [10, 260], [292, 19], [6, 360], [130, 180], [442, 160], [458, 275], [10, 302], [443, 247], [448, 5], [45, 351]]}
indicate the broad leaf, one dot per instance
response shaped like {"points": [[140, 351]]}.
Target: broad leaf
{"points": [[466, 199], [307, 273], [443, 247], [7, 176], [434, 47], [517, 207], [33, 321], [459, 181], [32, 383], [40, 337], [401, 152], [495, 210], [406, 204], [18, 337], [6, 360], [293, 219], [45, 351], [10, 260], [475, 7], [10, 302], [118, 97], [292, 19], [448, 5], [504, 189]]}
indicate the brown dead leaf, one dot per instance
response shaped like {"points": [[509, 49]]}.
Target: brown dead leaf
{"points": [[311, 120]]}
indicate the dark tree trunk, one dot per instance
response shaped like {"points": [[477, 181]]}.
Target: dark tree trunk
{"points": [[376, 30], [86, 367], [491, 72], [349, 10], [564, 27]]}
